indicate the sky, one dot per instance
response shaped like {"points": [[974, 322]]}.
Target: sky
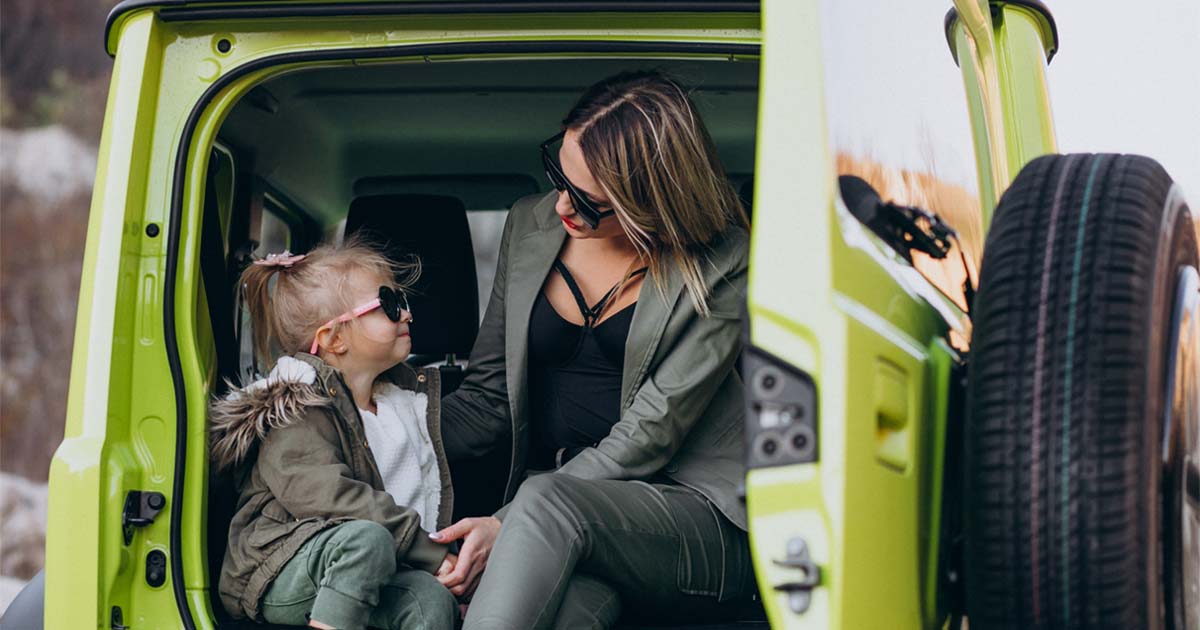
{"points": [[1127, 79]]}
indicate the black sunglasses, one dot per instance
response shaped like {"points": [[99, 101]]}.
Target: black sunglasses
{"points": [[586, 208], [392, 302]]}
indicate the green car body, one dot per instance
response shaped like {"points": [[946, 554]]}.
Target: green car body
{"points": [[887, 384], [887, 380]]}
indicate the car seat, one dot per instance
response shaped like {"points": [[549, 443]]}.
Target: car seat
{"points": [[445, 299], [445, 303]]}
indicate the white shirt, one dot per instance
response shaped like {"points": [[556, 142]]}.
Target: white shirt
{"points": [[398, 435]]}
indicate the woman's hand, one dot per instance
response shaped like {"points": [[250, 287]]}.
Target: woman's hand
{"points": [[478, 536]]}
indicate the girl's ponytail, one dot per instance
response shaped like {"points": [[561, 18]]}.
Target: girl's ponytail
{"points": [[256, 285], [256, 282]]}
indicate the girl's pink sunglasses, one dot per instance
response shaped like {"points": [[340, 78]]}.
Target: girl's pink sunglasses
{"points": [[394, 304]]}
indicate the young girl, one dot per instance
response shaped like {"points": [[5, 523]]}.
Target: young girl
{"points": [[337, 453]]}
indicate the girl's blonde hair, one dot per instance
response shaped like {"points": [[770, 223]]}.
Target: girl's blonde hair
{"points": [[648, 149], [288, 304]]}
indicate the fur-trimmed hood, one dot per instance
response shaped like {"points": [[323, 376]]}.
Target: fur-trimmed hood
{"points": [[242, 419]]}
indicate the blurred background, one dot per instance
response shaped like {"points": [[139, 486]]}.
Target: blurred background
{"points": [[53, 81], [1127, 79]]}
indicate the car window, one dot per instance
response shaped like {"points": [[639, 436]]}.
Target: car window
{"points": [[275, 235], [276, 228], [221, 176], [898, 118]]}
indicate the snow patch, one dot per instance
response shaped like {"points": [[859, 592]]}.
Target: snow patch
{"points": [[48, 163], [22, 526]]}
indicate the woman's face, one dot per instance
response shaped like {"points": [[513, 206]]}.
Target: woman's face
{"points": [[570, 156], [373, 341]]}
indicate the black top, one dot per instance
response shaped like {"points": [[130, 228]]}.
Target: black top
{"points": [[574, 375]]}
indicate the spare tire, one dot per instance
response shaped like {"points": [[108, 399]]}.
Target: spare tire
{"points": [[1072, 515]]}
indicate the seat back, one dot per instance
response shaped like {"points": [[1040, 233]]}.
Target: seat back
{"points": [[445, 300], [445, 307]]}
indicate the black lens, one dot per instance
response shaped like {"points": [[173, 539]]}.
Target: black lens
{"points": [[583, 206], [389, 303], [585, 209]]}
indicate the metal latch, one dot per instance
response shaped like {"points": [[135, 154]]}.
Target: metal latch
{"points": [[800, 591], [140, 510], [117, 619]]}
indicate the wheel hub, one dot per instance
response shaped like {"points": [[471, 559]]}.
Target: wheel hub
{"points": [[1181, 456]]}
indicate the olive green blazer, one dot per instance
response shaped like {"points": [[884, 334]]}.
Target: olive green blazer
{"points": [[681, 399]]}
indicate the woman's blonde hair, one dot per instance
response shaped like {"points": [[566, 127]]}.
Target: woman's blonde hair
{"points": [[289, 303], [649, 151]]}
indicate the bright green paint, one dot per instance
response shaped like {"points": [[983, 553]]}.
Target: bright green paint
{"points": [[941, 362], [1003, 63], [1021, 64], [97, 459], [827, 298], [852, 315], [357, 32], [775, 494], [792, 193], [982, 80], [990, 186]]}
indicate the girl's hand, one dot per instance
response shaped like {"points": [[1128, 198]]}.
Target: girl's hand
{"points": [[447, 565], [478, 536]]}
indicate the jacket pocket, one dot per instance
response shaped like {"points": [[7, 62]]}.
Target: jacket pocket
{"points": [[714, 555], [737, 569], [273, 523], [276, 512]]}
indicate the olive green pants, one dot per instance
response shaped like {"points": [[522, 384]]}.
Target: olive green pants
{"points": [[346, 577], [576, 553]]}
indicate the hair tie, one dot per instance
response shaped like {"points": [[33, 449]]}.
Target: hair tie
{"points": [[283, 259]]}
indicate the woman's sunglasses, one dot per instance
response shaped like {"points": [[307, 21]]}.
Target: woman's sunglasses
{"points": [[587, 209], [393, 303]]}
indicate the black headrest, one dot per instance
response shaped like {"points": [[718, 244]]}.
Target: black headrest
{"points": [[488, 191], [445, 300]]}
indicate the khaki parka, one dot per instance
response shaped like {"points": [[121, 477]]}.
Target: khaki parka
{"points": [[297, 446]]}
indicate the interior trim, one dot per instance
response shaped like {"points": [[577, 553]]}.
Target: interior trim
{"points": [[170, 334]]}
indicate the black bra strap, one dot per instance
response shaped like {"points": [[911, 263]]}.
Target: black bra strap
{"points": [[579, 300], [589, 314]]}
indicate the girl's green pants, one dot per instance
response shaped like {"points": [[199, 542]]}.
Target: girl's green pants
{"points": [[347, 577]]}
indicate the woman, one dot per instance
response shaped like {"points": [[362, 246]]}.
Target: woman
{"points": [[608, 352]]}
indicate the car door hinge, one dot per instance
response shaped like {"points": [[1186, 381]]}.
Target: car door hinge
{"points": [[800, 591], [141, 507]]}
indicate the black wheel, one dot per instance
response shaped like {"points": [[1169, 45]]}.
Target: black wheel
{"points": [[1077, 509]]}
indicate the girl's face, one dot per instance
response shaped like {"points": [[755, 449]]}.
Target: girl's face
{"points": [[570, 156], [372, 340]]}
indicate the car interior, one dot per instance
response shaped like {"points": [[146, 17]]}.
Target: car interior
{"points": [[426, 158]]}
